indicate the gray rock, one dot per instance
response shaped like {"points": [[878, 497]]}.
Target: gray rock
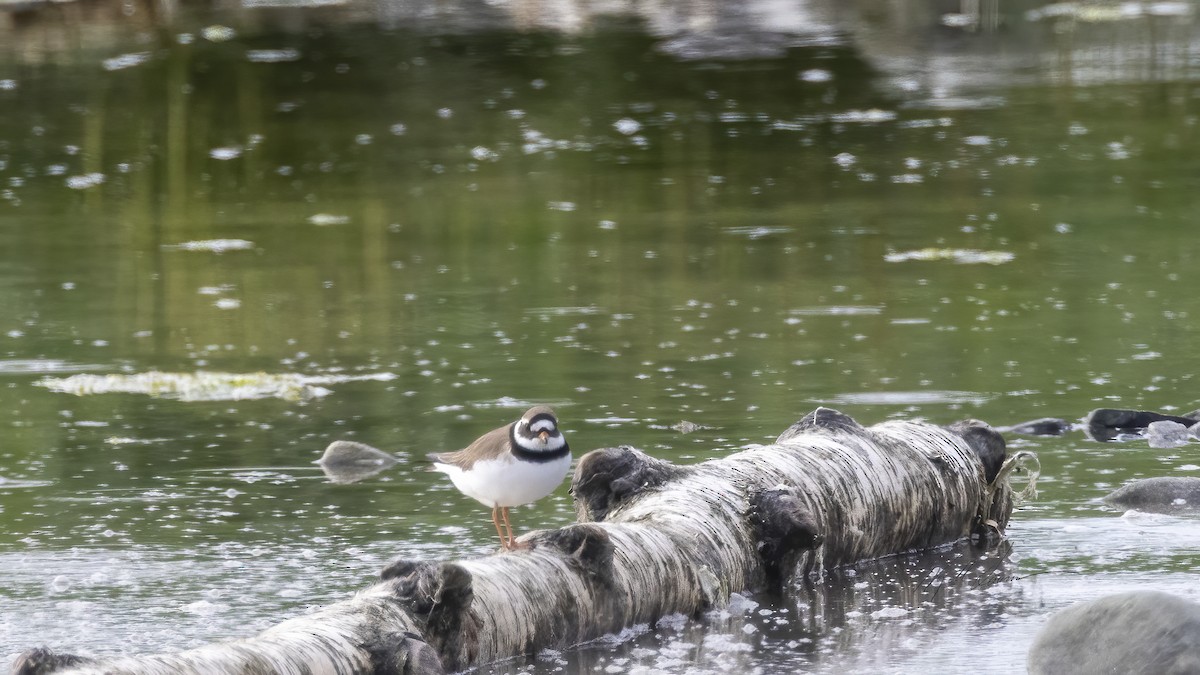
{"points": [[1163, 494], [1134, 632], [350, 461], [1166, 434]]}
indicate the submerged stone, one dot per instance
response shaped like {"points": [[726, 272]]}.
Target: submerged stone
{"points": [[350, 461]]}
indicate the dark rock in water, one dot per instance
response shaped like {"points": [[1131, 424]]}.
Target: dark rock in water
{"points": [[1135, 632], [1106, 424], [350, 461], [1046, 426], [1164, 494]]}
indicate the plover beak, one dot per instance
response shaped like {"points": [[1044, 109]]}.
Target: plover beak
{"points": [[543, 435]]}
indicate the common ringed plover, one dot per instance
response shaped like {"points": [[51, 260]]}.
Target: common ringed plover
{"points": [[516, 464]]}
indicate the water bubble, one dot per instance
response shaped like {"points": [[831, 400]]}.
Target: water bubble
{"points": [[272, 55], [871, 116], [326, 219], [204, 607], [481, 153], [627, 126], [218, 33], [85, 181], [225, 153], [125, 61], [815, 75]]}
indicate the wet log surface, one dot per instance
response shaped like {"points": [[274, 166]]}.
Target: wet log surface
{"points": [[653, 539]]}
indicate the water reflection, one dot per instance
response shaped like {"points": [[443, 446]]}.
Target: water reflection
{"points": [[868, 618]]}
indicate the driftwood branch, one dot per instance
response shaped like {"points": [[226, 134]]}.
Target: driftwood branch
{"points": [[652, 539]]}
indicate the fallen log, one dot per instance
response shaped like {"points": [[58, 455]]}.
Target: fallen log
{"points": [[653, 539]]}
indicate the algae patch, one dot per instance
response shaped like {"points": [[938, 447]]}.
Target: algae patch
{"points": [[205, 386]]}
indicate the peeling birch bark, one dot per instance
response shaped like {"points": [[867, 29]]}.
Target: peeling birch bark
{"points": [[652, 539]]}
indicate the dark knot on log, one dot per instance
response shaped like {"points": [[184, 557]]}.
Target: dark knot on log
{"points": [[40, 660], [822, 419], [785, 529], [585, 545], [987, 443], [440, 596], [608, 477], [404, 654]]}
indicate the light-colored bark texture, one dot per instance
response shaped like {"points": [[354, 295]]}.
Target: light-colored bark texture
{"points": [[652, 539]]}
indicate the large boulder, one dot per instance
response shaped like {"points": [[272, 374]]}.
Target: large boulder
{"points": [[1134, 632], [1163, 494]]}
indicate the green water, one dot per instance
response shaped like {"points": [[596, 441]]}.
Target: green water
{"points": [[637, 224]]}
